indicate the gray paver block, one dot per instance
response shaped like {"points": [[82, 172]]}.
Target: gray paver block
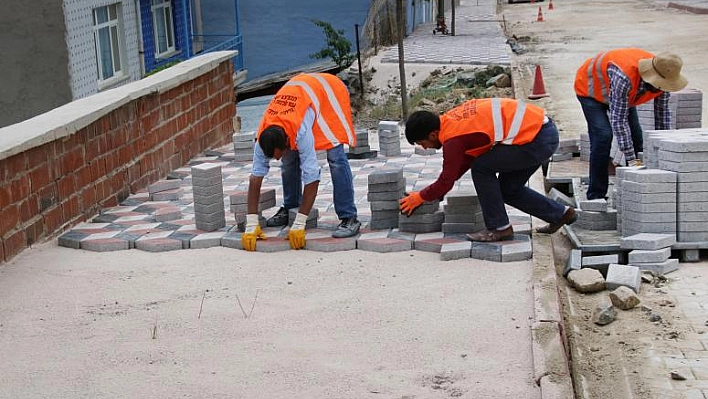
{"points": [[206, 170], [558, 196], [517, 250], [331, 244], [232, 240], [650, 176], [385, 176], [595, 205], [71, 239], [667, 266], [456, 250], [157, 244], [385, 196], [273, 244], [623, 275], [164, 185], [597, 261], [391, 205], [105, 244], [648, 241], [574, 261], [206, 240], [168, 195], [486, 251], [649, 256], [383, 245], [648, 188], [211, 226]]}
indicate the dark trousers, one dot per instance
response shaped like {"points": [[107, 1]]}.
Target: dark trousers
{"points": [[500, 177], [600, 133]]}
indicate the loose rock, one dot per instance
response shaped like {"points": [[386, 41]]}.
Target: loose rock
{"points": [[624, 298]]}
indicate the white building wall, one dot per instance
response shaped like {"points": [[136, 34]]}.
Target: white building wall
{"points": [[83, 72]]}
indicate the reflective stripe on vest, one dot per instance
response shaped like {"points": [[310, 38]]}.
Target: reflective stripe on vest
{"points": [[499, 124], [597, 62], [316, 104], [337, 107]]}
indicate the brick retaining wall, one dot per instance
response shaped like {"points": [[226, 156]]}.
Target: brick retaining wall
{"points": [[62, 167]]}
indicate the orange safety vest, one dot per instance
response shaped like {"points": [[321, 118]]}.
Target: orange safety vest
{"points": [[504, 120], [591, 80], [327, 95]]}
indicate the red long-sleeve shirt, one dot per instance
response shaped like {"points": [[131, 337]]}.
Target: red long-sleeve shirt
{"points": [[455, 163]]}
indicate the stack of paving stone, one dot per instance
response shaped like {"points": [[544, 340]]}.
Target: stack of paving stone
{"points": [[208, 192], [687, 157], [616, 192], [427, 218], [239, 206], [685, 105], [362, 149], [386, 188], [389, 138], [243, 146], [310, 223], [594, 214], [166, 190], [584, 147], [598, 262], [567, 148], [462, 214], [651, 252], [648, 202], [424, 151]]}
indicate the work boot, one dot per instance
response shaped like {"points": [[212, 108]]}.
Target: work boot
{"points": [[492, 235], [349, 227], [279, 219], [568, 217]]}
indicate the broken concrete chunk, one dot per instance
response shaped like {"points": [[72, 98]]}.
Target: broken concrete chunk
{"points": [[624, 298], [586, 280], [604, 314]]}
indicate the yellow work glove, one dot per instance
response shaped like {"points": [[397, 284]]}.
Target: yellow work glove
{"points": [[296, 235], [252, 234], [635, 162], [410, 202]]}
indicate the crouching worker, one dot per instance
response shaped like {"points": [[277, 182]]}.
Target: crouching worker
{"points": [[310, 113], [503, 142]]}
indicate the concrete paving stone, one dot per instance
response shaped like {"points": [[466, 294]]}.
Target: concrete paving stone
{"points": [[518, 249], [273, 244], [650, 176], [208, 209], [392, 205], [664, 267], [456, 250], [386, 214], [691, 177], [428, 207], [599, 262], [331, 244], [184, 237], [144, 228], [559, 196], [207, 240], [638, 198], [217, 198], [694, 186], [105, 244], [316, 233], [232, 239], [402, 235], [649, 256], [204, 181], [161, 244], [385, 176], [461, 228], [692, 207], [71, 239], [683, 166], [217, 216], [435, 218], [384, 245], [461, 200], [595, 205], [692, 236], [690, 255], [419, 228], [211, 226], [574, 261], [683, 144], [659, 207], [436, 244], [168, 195], [312, 216], [105, 218], [486, 251], [167, 213], [700, 156], [207, 191], [623, 275], [163, 185], [396, 186], [374, 235], [695, 196], [561, 156], [653, 217], [647, 227], [130, 238], [92, 228], [386, 196], [206, 170], [422, 151], [648, 188], [691, 226]]}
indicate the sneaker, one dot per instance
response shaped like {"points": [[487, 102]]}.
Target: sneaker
{"points": [[349, 227], [279, 219]]}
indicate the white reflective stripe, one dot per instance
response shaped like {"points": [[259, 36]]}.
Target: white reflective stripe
{"points": [[336, 105], [597, 62], [497, 120], [316, 104], [516, 123]]}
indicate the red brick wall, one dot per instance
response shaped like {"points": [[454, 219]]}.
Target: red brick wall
{"points": [[49, 188]]}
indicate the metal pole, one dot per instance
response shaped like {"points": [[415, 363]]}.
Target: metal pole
{"points": [[358, 58]]}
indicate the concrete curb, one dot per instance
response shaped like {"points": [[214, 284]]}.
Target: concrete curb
{"points": [[550, 360], [688, 8]]}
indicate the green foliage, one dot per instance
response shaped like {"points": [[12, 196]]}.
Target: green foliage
{"points": [[162, 68], [338, 46]]}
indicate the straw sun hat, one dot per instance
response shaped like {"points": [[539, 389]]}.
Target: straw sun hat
{"points": [[663, 72]]}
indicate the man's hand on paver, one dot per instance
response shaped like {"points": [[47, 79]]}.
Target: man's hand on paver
{"points": [[634, 162], [296, 235], [410, 202], [252, 234]]}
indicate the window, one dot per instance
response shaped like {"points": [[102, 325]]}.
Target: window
{"points": [[109, 41], [163, 27]]}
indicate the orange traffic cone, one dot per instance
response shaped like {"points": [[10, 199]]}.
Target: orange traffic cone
{"points": [[540, 15], [539, 89], [550, 4]]}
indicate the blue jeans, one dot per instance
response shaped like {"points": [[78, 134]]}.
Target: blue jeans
{"points": [[342, 181], [600, 132], [500, 177]]}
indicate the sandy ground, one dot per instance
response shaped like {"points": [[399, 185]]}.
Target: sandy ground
{"points": [[313, 325]]}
